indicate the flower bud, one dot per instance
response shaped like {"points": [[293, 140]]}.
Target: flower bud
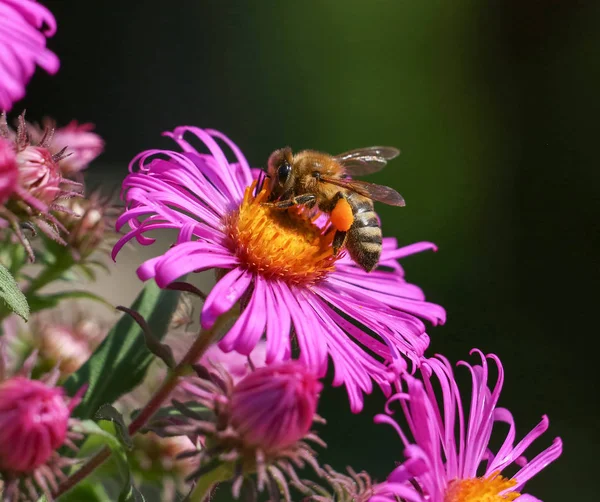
{"points": [[39, 174], [9, 172], [33, 423], [88, 221], [274, 406]]}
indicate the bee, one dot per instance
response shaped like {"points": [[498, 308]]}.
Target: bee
{"points": [[318, 179]]}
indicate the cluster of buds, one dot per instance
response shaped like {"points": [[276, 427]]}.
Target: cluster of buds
{"points": [[260, 425], [40, 183], [35, 421]]}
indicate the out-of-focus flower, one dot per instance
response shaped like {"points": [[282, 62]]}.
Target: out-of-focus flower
{"points": [[9, 173], [68, 345], [24, 26], [35, 421], [258, 426], [81, 142], [278, 264], [441, 469], [63, 339], [39, 187]]}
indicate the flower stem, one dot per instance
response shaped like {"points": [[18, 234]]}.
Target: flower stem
{"points": [[201, 492], [204, 339]]}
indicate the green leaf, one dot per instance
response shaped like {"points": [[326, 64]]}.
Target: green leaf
{"points": [[131, 494], [110, 413], [42, 302], [11, 294], [120, 362], [108, 433]]}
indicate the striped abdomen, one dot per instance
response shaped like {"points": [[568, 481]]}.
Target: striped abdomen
{"points": [[364, 239]]}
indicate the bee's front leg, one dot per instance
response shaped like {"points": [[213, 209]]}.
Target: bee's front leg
{"points": [[306, 199]]}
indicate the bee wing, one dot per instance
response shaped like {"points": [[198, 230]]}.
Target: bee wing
{"points": [[380, 193], [366, 160]]}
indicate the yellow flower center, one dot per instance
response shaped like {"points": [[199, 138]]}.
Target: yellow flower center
{"points": [[279, 244], [481, 489]]}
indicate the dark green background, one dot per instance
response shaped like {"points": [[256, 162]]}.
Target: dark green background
{"points": [[495, 107]]}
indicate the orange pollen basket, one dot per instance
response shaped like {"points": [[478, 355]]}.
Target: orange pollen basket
{"points": [[481, 489], [279, 244]]}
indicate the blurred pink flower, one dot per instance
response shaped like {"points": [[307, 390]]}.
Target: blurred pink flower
{"points": [[444, 470], [24, 26], [82, 144], [279, 265], [273, 407], [9, 173]]}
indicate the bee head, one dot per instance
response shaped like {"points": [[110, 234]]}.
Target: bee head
{"points": [[280, 170]]}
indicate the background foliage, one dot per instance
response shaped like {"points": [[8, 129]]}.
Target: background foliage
{"points": [[494, 105]]}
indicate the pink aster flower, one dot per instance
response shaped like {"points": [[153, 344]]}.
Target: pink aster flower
{"points": [[35, 421], [24, 26], [279, 265], [451, 459], [9, 173]]}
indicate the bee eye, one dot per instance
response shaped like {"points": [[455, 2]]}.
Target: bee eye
{"points": [[283, 172]]}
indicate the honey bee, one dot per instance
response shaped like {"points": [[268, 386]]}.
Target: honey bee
{"points": [[318, 179]]}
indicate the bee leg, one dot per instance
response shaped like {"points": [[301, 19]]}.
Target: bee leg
{"points": [[338, 241], [307, 199]]}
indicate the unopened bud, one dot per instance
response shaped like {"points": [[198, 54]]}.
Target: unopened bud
{"points": [[33, 423], [274, 406]]}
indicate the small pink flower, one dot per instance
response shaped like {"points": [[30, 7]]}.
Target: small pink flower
{"points": [[274, 407], [9, 172], [39, 175], [451, 459], [34, 420], [24, 26]]}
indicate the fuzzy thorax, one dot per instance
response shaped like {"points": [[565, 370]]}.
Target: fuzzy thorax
{"points": [[282, 245]]}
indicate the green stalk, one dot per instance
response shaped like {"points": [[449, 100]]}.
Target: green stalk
{"points": [[203, 341], [207, 481]]}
